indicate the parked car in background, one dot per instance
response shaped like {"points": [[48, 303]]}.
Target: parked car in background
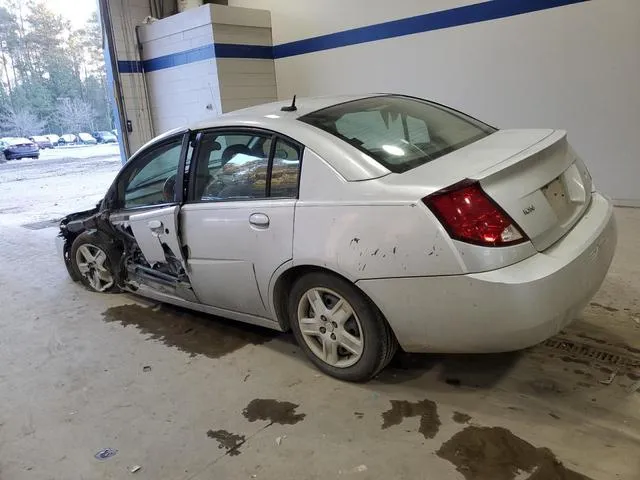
{"points": [[105, 137], [67, 139], [42, 141], [362, 223], [18, 148], [86, 138], [53, 138]]}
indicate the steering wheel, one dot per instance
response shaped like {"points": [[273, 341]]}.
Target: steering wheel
{"points": [[169, 189]]}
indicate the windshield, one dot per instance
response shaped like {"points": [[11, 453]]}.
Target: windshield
{"points": [[399, 132]]}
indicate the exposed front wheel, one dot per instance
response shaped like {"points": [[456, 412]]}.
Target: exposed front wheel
{"points": [[340, 329], [92, 260]]}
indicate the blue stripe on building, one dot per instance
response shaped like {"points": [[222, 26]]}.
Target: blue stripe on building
{"points": [[455, 17], [129, 66]]}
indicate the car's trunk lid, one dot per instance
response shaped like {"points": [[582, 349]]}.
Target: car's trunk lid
{"points": [[533, 175], [544, 187]]}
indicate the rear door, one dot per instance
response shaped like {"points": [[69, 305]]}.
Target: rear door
{"points": [[238, 222], [150, 200]]}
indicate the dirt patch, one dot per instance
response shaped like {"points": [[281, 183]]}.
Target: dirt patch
{"points": [[569, 359], [425, 409], [274, 411], [54, 222], [604, 307], [460, 417], [545, 386], [494, 453], [189, 332], [227, 440]]}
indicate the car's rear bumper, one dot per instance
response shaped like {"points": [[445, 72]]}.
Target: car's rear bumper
{"points": [[505, 309]]}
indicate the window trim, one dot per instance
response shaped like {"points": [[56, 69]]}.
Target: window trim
{"points": [[190, 198], [115, 204]]}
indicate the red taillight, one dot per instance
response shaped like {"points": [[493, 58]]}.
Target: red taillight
{"points": [[469, 215]]}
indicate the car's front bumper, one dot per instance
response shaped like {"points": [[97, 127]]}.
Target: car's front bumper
{"points": [[506, 309]]}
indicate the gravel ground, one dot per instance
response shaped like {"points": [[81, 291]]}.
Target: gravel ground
{"points": [[61, 181]]}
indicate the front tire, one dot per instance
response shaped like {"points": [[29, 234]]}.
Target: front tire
{"points": [[339, 328], [92, 260]]}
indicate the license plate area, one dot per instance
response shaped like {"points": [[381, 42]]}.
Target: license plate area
{"points": [[556, 194]]}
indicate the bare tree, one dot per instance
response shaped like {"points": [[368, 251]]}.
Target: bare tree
{"points": [[76, 115], [22, 123]]}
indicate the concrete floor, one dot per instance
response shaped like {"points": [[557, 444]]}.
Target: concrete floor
{"points": [[186, 396]]}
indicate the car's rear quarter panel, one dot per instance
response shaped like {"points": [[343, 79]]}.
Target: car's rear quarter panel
{"points": [[361, 230]]}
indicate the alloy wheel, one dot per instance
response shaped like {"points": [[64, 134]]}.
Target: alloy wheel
{"points": [[330, 327], [91, 264]]}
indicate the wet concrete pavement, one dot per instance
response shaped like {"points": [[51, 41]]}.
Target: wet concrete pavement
{"points": [[188, 396]]}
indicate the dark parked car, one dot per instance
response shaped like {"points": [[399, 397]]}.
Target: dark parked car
{"points": [[42, 141], [105, 137], [18, 148]]}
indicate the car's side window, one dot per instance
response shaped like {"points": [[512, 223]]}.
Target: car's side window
{"points": [[152, 181], [231, 166], [286, 170]]}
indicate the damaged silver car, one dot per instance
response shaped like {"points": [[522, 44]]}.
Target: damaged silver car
{"points": [[361, 223]]}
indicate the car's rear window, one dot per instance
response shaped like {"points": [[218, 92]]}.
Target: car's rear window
{"points": [[399, 132]]}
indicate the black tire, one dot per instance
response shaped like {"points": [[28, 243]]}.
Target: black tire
{"points": [[379, 345], [100, 241]]}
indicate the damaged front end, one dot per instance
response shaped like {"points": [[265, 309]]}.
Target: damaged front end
{"points": [[128, 265], [70, 227], [96, 223]]}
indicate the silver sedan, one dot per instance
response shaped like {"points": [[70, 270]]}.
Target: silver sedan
{"points": [[361, 223]]}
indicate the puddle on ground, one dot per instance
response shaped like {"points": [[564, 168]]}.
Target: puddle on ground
{"points": [[193, 333], [274, 411], [460, 417], [494, 453], [425, 409], [227, 440]]}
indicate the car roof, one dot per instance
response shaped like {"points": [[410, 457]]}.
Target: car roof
{"points": [[351, 163]]}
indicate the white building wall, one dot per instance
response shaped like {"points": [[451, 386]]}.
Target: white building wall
{"points": [[186, 93], [575, 67], [244, 81], [188, 82]]}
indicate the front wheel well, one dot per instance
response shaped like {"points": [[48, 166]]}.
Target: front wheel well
{"points": [[285, 283]]}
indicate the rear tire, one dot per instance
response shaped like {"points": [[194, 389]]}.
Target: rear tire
{"points": [[345, 335]]}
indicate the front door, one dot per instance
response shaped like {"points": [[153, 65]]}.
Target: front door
{"points": [[238, 224], [149, 202]]}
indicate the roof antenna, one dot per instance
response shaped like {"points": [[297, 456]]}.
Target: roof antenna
{"points": [[290, 108]]}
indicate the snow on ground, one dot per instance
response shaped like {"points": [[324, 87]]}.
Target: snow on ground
{"points": [[61, 181]]}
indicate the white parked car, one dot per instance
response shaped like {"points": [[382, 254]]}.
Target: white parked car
{"points": [[53, 138], [87, 138], [361, 223], [67, 139]]}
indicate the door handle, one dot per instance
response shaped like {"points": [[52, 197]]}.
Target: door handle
{"points": [[259, 220]]}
